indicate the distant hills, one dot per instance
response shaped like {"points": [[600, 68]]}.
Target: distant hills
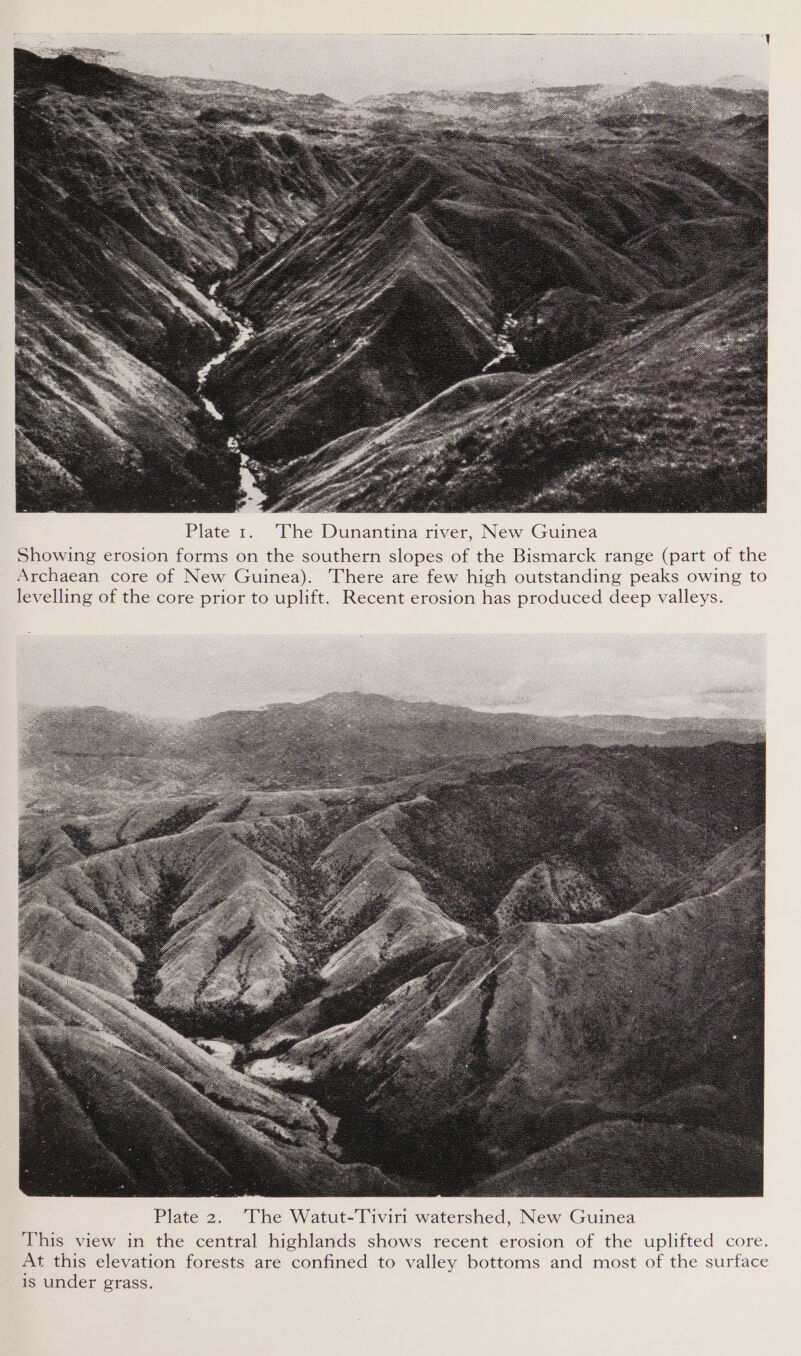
{"points": [[338, 740], [589, 103]]}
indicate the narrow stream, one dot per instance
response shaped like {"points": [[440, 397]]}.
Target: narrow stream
{"points": [[250, 498], [503, 339]]}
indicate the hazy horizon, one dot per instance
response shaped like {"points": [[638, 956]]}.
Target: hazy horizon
{"points": [[352, 66], [187, 677]]}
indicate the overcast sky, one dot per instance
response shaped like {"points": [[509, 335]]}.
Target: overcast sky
{"points": [[349, 66], [189, 676]]}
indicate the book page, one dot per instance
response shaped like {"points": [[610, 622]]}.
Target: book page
{"points": [[400, 639]]}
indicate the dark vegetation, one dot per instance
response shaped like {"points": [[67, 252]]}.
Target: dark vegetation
{"points": [[449, 975]]}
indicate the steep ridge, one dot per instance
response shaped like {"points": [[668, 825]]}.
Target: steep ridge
{"points": [[127, 205], [365, 944], [419, 318], [671, 413], [114, 1102], [251, 898], [442, 222], [281, 820], [650, 220], [613, 797], [616, 1014], [387, 252], [197, 927], [745, 855]]}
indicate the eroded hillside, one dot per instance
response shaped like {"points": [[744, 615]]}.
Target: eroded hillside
{"points": [[449, 976], [398, 292], [461, 301], [130, 201]]}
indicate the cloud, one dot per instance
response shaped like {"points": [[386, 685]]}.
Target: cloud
{"points": [[728, 691], [94, 55], [546, 674]]}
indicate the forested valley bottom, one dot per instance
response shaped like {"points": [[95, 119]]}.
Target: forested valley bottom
{"points": [[360, 946]]}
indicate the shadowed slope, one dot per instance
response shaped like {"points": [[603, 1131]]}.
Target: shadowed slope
{"points": [[102, 426], [126, 206], [671, 413], [113, 1102], [605, 1016]]}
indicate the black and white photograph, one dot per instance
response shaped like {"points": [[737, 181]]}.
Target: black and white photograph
{"points": [[391, 273], [392, 915]]}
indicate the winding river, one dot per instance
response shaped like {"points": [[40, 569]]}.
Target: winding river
{"points": [[249, 499]]}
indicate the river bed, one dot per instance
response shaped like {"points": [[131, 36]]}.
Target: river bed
{"points": [[250, 498]]}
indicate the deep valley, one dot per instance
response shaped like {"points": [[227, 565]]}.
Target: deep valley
{"points": [[502, 964], [550, 300]]}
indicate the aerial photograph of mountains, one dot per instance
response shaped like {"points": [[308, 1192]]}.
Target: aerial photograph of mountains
{"points": [[393, 915], [376, 273]]}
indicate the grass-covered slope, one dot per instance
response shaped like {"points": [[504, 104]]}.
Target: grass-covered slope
{"points": [[465, 967], [114, 1102]]}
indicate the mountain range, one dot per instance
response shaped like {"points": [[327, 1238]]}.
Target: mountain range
{"points": [[340, 739], [517, 972], [551, 299]]}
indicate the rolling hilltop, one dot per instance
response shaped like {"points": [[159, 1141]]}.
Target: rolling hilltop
{"points": [[552, 298], [505, 971]]}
